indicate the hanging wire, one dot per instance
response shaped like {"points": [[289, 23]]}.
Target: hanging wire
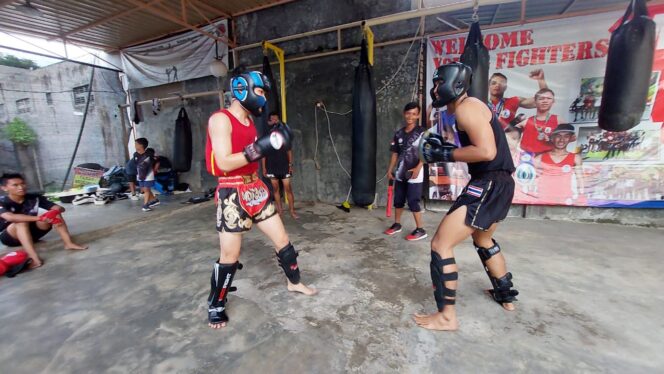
{"points": [[402, 62]]}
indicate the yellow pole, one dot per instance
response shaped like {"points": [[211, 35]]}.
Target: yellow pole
{"points": [[368, 34], [282, 75]]}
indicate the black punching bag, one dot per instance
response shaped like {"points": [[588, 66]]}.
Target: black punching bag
{"points": [[181, 160], [363, 174], [628, 70], [476, 56], [273, 102]]}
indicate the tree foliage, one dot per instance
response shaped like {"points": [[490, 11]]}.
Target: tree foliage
{"points": [[23, 63]]}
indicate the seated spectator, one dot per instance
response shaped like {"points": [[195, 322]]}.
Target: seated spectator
{"points": [[20, 222]]}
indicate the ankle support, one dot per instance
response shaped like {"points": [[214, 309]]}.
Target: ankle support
{"points": [[220, 286], [287, 258], [502, 291], [442, 294]]}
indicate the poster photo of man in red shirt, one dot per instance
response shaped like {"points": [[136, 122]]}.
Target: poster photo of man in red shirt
{"points": [[505, 107], [560, 172]]}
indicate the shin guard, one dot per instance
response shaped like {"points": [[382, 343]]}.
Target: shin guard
{"points": [[442, 294], [287, 257], [502, 291], [220, 286]]}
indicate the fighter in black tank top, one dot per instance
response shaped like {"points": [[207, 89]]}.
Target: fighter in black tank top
{"points": [[483, 203], [503, 160]]}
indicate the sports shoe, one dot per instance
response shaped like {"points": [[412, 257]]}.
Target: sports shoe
{"points": [[417, 234], [134, 197], [395, 228], [83, 199], [154, 202], [146, 208]]}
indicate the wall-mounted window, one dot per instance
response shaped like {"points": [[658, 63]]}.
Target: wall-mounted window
{"points": [[23, 106], [80, 94], [49, 98]]}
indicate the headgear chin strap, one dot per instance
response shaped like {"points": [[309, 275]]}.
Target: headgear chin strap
{"points": [[453, 81], [242, 87]]}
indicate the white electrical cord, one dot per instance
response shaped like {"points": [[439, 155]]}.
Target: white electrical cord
{"points": [[405, 57]]}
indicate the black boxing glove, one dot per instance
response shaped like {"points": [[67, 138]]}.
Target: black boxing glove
{"points": [[433, 148], [279, 138]]}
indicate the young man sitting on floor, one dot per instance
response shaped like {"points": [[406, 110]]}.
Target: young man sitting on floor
{"points": [[20, 222]]}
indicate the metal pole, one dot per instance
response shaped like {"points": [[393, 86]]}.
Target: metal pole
{"points": [[80, 132]]}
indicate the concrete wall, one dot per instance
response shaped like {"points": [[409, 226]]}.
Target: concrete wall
{"points": [[330, 80], [159, 129], [57, 124]]}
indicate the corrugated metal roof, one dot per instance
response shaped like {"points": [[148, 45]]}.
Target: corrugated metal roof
{"points": [[110, 24]]}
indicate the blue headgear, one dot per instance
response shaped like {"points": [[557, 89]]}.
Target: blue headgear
{"points": [[242, 87]]}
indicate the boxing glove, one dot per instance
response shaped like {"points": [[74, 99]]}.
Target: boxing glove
{"points": [[433, 148], [279, 138], [52, 216]]}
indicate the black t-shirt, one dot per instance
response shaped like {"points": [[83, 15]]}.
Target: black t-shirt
{"points": [[30, 207], [405, 145]]}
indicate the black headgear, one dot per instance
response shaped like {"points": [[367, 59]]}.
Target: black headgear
{"points": [[453, 81], [242, 87]]}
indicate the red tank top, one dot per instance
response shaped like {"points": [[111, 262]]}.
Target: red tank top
{"points": [[241, 136], [535, 133], [555, 182]]}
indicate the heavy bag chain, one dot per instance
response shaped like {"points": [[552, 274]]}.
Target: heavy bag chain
{"points": [[476, 8]]}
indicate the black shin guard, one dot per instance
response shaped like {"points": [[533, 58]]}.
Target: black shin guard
{"points": [[287, 257], [502, 287], [220, 286], [442, 294]]}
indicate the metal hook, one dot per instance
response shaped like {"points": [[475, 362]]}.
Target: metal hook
{"points": [[476, 8]]}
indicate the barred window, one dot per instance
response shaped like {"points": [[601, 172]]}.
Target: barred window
{"points": [[23, 106], [80, 93], [49, 98]]}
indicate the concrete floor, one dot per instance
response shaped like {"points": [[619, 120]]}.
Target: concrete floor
{"points": [[136, 302]]}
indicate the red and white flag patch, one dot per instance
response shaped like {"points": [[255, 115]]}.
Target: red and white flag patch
{"points": [[474, 191]]}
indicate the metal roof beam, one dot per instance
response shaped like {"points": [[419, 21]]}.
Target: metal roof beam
{"points": [[175, 20], [210, 8], [569, 5], [108, 19]]}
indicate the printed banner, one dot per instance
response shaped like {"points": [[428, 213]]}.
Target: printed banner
{"points": [[547, 97], [178, 58]]}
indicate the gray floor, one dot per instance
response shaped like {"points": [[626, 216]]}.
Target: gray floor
{"points": [[135, 302]]}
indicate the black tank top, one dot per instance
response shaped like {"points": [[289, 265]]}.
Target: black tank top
{"points": [[503, 159]]}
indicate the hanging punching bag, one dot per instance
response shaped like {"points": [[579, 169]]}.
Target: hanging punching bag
{"points": [[273, 103], [628, 70], [181, 160], [273, 100], [476, 56], [363, 174]]}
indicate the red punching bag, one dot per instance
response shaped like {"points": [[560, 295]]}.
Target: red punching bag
{"points": [[628, 70]]}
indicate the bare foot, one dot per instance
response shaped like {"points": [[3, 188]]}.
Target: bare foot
{"points": [[436, 321], [75, 246], [217, 326], [301, 288], [35, 264], [295, 216], [508, 306]]}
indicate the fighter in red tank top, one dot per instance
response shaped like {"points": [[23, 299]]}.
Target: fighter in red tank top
{"points": [[241, 136], [242, 198]]}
